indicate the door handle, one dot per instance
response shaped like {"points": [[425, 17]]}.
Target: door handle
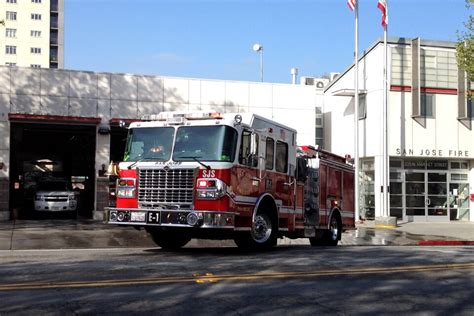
{"points": [[428, 202]]}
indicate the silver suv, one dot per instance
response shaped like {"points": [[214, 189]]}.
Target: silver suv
{"points": [[55, 195]]}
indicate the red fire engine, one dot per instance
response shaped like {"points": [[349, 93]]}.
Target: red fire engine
{"points": [[229, 176]]}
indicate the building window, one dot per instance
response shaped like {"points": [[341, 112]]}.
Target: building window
{"points": [[269, 153], [10, 50], [281, 157], [11, 16], [35, 50], [11, 1], [10, 32], [35, 66], [470, 108], [36, 16], [367, 190], [35, 33], [319, 127], [362, 106], [427, 105], [10, 64], [35, 1]]}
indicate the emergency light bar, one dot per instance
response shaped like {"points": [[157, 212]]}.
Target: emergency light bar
{"points": [[179, 117]]}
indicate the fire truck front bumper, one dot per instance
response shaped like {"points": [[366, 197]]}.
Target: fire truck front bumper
{"points": [[170, 218]]}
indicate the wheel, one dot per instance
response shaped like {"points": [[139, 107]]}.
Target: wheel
{"points": [[329, 237], [263, 234], [332, 235], [169, 239]]}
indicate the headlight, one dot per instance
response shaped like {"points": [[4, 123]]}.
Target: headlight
{"points": [[210, 189], [39, 197], [126, 188], [72, 197], [126, 193]]}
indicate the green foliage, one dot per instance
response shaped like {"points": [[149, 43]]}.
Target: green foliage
{"points": [[465, 45]]}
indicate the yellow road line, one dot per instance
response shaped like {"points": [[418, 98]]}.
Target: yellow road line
{"points": [[384, 226], [211, 278]]}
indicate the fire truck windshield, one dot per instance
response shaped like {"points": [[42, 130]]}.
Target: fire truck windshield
{"points": [[150, 143], [206, 143]]}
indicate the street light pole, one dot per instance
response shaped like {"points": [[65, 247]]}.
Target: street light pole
{"points": [[259, 49]]}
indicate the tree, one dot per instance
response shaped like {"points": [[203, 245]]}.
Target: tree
{"points": [[465, 45]]}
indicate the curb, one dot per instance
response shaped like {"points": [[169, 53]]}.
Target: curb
{"points": [[446, 243]]}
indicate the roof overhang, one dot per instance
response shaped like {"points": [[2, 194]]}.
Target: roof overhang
{"points": [[347, 92], [53, 118]]}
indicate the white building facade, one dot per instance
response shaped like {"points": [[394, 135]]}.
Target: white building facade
{"points": [[431, 141], [33, 34]]}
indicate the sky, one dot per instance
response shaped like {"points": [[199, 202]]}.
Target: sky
{"points": [[213, 39]]}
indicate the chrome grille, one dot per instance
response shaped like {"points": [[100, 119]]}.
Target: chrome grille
{"points": [[157, 186]]}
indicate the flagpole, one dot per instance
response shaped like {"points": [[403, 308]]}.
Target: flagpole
{"points": [[384, 130], [387, 161], [356, 113]]}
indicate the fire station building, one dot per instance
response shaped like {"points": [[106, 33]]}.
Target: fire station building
{"points": [[430, 142], [67, 124]]}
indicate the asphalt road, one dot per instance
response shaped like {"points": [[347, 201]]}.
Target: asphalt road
{"points": [[296, 280]]}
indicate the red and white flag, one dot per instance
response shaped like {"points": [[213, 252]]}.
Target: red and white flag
{"points": [[382, 5], [351, 4]]}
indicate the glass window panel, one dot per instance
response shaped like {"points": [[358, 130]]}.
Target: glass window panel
{"points": [[437, 201], [462, 215], [415, 211], [281, 156], [437, 188], [397, 212], [415, 176], [415, 201], [395, 188], [396, 201], [395, 176], [439, 177], [395, 163], [368, 176], [459, 177], [437, 212], [319, 132], [368, 165], [269, 153], [415, 188]]}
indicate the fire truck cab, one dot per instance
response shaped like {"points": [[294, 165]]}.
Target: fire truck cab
{"points": [[229, 176]]}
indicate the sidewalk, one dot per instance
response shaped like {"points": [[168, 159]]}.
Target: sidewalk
{"points": [[62, 234]]}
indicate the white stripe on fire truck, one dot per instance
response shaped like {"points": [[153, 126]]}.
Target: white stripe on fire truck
{"points": [[348, 214], [241, 199]]}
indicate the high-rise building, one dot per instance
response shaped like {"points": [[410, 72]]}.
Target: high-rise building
{"points": [[33, 33]]}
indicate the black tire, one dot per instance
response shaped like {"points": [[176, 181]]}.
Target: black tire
{"points": [[329, 237], [262, 236], [169, 240]]}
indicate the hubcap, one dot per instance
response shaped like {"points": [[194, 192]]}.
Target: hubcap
{"points": [[262, 228], [334, 229]]}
